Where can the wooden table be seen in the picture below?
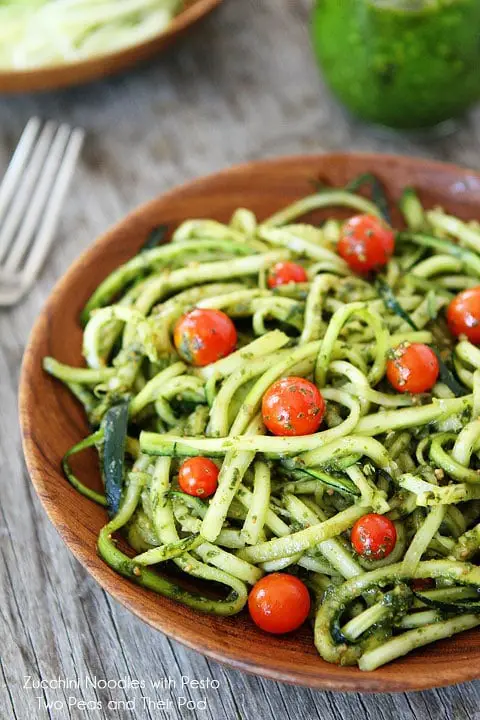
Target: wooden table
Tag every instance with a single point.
(243, 86)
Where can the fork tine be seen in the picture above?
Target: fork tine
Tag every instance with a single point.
(48, 226)
(43, 186)
(17, 163)
(24, 191)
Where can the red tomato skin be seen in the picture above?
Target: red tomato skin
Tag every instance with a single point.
(284, 273)
(198, 476)
(293, 406)
(463, 315)
(374, 536)
(413, 368)
(279, 603)
(422, 584)
(204, 336)
(366, 243)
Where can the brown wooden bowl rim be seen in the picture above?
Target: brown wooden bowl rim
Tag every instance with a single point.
(195, 10)
(338, 678)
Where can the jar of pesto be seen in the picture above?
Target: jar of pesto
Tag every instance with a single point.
(401, 63)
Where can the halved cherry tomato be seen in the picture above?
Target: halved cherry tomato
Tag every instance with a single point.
(463, 315)
(366, 243)
(198, 476)
(279, 603)
(204, 336)
(293, 406)
(374, 536)
(413, 368)
(284, 273)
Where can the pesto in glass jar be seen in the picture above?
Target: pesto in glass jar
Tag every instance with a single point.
(401, 63)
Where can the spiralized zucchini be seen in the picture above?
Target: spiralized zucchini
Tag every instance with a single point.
(290, 502)
(39, 33)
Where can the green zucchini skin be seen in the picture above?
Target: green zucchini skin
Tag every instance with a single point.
(391, 302)
(158, 236)
(378, 193)
(114, 442)
(440, 599)
(151, 580)
(337, 599)
(88, 442)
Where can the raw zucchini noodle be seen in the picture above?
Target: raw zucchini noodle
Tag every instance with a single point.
(290, 501)
(39, 33)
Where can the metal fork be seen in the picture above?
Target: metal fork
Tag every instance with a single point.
(31, 201)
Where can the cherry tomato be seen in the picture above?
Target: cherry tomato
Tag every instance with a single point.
(284, 273)
(422, 584)
(204, 336)
(374, 536)
(293, 406)
(463, 315)
(198, 476)
(413, 368)
(279, 603)
(366, 243)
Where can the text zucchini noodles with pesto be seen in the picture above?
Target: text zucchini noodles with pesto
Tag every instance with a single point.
(286, 406)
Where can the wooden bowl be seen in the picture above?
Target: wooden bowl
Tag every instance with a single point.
(77, 73)
(52, 421)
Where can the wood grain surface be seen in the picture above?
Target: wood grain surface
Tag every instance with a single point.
(243, 87)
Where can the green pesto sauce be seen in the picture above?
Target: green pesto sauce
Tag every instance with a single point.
(402, 63)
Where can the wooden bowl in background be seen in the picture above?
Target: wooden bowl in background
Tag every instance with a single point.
(52, 421)
(77, 73)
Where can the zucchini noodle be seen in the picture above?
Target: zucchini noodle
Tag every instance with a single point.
(291, 501)
(39, 33)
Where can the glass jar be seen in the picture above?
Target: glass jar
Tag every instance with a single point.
(401, 63)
